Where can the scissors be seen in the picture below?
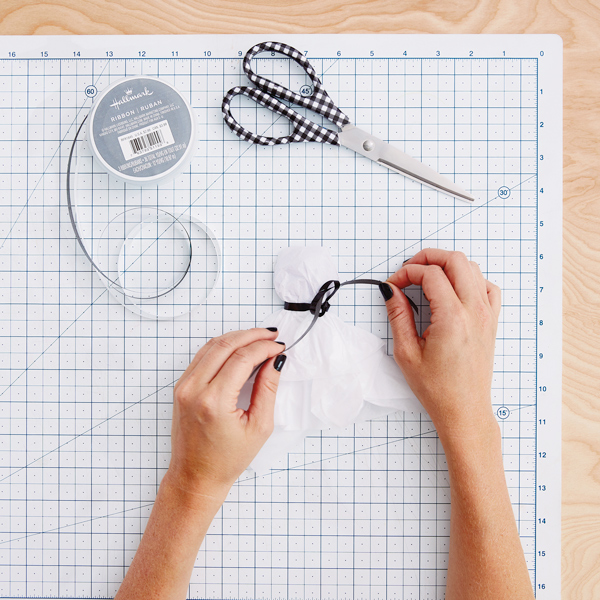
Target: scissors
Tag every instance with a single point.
(267, 92)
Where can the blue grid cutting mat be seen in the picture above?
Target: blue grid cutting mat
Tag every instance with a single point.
(86, 385)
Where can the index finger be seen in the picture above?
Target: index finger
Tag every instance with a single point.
(217, 350)
(239, 367)
(457, 268)
(436, 286)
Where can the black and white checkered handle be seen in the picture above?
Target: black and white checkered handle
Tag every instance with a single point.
(267, 92)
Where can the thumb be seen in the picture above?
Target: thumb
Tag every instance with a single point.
(402, 320)
(262, 402)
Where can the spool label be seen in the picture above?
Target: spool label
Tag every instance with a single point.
(141, 128)
(148, 139)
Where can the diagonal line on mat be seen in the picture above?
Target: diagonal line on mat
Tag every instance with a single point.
(48, 165)
(115, 514)
(408, 437)
(322, 460)
(120, 412)
(444, 227)
(60, 335)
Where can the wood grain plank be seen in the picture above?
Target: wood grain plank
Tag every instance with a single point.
(578, 23)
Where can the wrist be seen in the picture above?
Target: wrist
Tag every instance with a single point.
(469, 441)
(197, 494)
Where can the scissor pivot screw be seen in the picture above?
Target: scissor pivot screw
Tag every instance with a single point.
(368, 145)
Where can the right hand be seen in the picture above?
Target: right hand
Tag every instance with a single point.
(450, 367)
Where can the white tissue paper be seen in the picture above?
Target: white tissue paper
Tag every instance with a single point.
(337, 375)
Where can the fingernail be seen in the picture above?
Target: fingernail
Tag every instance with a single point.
(279, 362)
(272, 328)
(386, 291)
(407, 260)
(278, 342)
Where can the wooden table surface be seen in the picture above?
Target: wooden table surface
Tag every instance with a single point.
(578, 22)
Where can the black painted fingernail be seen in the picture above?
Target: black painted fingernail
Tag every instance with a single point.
(386, 291)
(279, 362)
(278, 342)
(407, 260)
(272, 328)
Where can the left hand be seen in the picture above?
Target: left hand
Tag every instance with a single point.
(213, 441)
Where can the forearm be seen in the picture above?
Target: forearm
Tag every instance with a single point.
(163, 563)
(486, 557)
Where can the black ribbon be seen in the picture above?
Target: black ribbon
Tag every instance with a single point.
(113, 284)
(320, 303)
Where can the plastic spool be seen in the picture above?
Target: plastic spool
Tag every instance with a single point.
(160, 263)
(142, 130)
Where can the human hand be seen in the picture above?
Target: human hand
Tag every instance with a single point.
(213, 441)
(450, 367)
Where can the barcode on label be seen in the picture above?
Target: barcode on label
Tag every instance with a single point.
(149, 140)
(140, 142)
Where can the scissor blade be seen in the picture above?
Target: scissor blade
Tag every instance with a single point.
(385, 154)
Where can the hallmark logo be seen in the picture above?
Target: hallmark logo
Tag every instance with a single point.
(129, 96)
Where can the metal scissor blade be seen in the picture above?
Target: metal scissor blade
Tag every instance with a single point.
(385, 154)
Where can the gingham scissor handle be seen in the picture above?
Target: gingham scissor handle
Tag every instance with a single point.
(303, 130)
(318, 101)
